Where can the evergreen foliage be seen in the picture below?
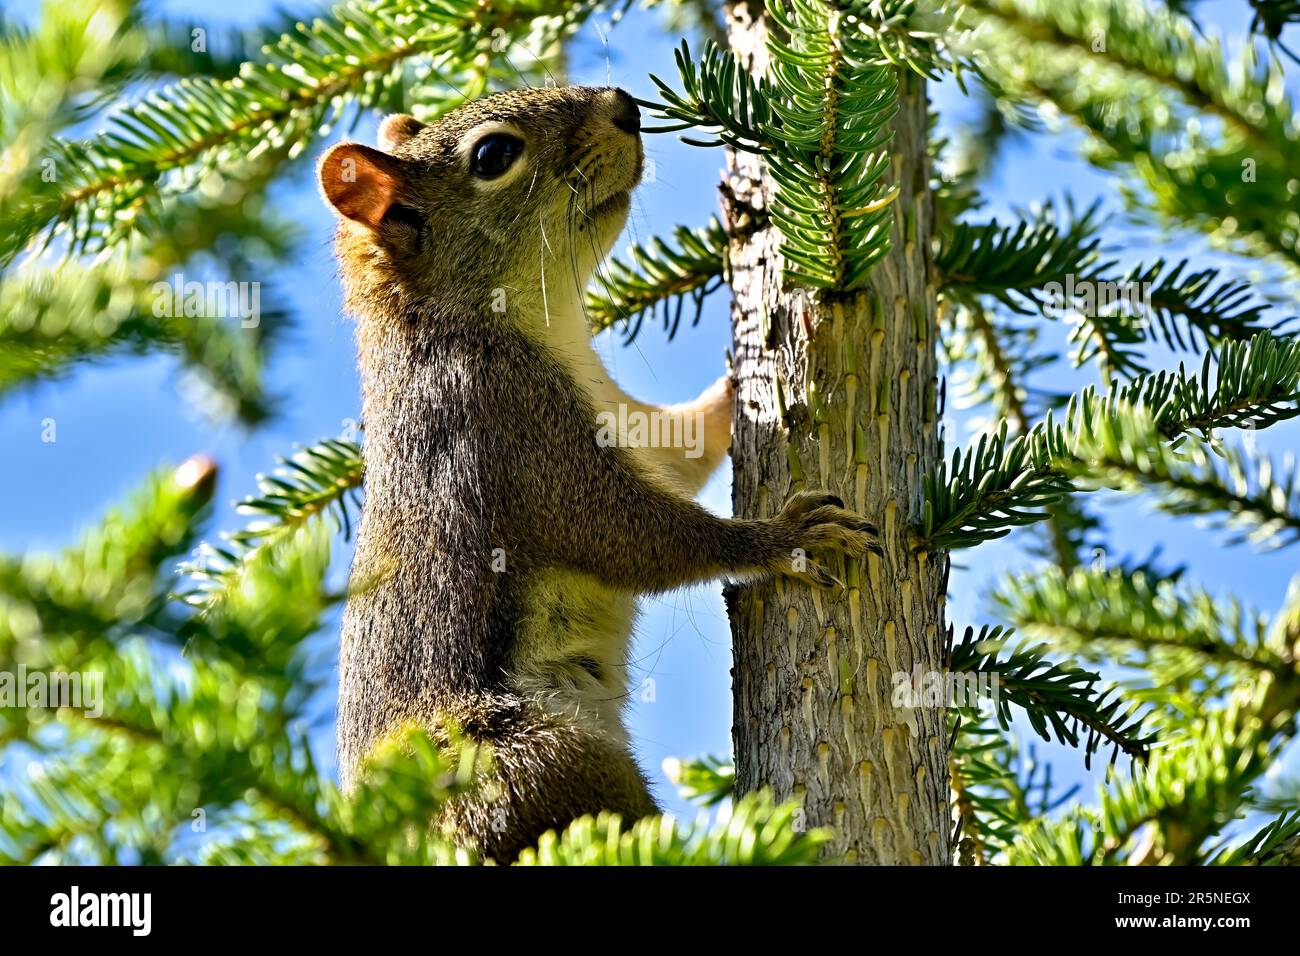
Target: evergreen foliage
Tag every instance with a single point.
(199, 753)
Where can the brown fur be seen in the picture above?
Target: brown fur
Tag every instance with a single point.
(480, 446)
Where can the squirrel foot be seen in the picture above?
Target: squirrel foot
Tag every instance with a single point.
(817, 520)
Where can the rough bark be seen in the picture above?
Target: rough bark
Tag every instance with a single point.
(813, 672)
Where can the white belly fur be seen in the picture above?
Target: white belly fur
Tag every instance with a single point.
(572, 648)
(574, 639)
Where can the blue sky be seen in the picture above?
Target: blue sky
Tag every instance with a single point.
(119, 418)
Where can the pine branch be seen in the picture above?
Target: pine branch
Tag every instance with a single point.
(108, 585)
(1058, 698)
(719, 97)
(1172, 805)
(913, 35)
(1000, 484)
(115, 184)
(1255, 385)
(161, 751)
(835, 104)
(259, 596)
(1184, 313)
(1239, 491)
(1140, 81)
(754, 833)
(52, 319)
(1001, 358)
(169, 46)
(998, 790)
(821, 120)
(256, 609)
(659, 277)
(1067, 841)
(1217, 313)
(80, 54)
(704, 780)
(1152, 43)
(318, 481)
(70, 66)
(164, 747)
(991, 488)
(158, 750)
(1277, 844)
(1175, 633)
(408, 778)
(1037, 265)
(1192, 650)
(80, 612)
(1189, 790)
(1013, 263)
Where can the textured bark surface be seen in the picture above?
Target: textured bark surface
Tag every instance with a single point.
(813, 672)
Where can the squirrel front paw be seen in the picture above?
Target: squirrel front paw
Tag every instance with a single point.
(818, 521)
(708, 419)
(715, 404)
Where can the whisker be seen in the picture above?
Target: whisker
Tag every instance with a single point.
(519, 73)
(545, 69)
(546, 246)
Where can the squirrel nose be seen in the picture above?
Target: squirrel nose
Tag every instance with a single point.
(626, 116)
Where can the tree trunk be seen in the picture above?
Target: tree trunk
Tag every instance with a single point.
(814, 672)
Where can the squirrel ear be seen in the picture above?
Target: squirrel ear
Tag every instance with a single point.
(397, 129)
(360, 183)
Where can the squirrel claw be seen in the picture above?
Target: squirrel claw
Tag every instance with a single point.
(815, 575)
(819, 521)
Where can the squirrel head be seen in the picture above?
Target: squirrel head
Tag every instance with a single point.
(505, 194)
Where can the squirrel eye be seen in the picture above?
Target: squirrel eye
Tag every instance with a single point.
(494, 154)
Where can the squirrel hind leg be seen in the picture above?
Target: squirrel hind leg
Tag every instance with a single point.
(545, 770)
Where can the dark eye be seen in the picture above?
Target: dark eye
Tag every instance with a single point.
(493, 154)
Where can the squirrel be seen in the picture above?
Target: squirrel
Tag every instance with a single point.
(502, 546)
